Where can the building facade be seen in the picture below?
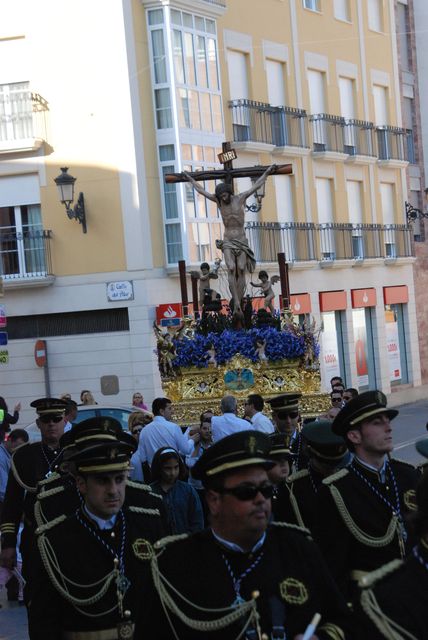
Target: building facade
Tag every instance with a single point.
(155, 87)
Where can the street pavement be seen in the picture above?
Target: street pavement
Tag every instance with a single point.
(409, 426)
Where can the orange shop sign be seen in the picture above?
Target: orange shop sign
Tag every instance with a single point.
(300, 303)
(363, 298)
(332, 301)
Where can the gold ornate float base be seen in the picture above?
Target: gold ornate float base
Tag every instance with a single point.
(196, 389)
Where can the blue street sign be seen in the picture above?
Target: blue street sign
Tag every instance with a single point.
(3, 338)
(170, 322)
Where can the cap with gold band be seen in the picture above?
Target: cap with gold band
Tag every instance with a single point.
(279, 446)
(93, 431)
(103, 458)
(285, 403)
(363, 407)
(322, 442)
(242, 449)
(45, 406)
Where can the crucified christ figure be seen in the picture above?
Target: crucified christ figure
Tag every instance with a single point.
(238, 256)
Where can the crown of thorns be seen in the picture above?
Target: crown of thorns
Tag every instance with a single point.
(223, 187)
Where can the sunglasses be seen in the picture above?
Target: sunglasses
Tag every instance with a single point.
(47, 419)
(245, 493)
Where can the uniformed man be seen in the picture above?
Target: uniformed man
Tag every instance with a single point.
(282, 458)
(59, 495)
(364, 506)
(286, 417)
(91, 568)
(393, 600)
(242, 577)
(326, 452)
(30, 464)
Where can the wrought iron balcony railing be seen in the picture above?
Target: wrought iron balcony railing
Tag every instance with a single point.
(395, 143)
(328, 132)
(359, 138)
(260, 122)
(25, 255)
(307, 241)
(23, 115)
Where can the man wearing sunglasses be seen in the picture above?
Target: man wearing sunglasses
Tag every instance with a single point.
(30, 464)
(241, 577)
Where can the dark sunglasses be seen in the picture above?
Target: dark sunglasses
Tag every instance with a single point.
(47, 419)
(248, 493)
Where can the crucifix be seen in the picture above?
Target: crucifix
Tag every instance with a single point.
(238, 256)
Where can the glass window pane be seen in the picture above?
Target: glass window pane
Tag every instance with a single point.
(199, 23)
(212, 64)
(178, 57)
(202, 62)
(166, 152)
(159, 59)
(174, 244)
(189, 198)
(193, 242)
(190, 58)
(210, 26)
(188, 20)
(217, 114)
(206, 112)
(186, 151)
(210, 154)
(198, 153)
(195, 115)
(163, 109)
(183, 108)
(170, 195)
(175, 16)
(156, 16)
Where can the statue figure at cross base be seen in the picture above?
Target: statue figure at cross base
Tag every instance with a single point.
(238, 256)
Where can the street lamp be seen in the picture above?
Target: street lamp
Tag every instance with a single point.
(65, 183)
(258, 195)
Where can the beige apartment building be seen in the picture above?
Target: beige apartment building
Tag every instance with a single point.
(124, 92)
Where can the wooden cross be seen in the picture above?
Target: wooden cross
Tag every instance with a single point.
(228, 173)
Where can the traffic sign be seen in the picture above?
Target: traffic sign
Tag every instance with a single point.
(3, 319)
(40, 353)
(3, 338)
(4, 356)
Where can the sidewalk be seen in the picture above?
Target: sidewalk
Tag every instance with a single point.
(13, 619)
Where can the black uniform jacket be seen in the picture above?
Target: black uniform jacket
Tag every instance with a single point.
(297, 500)
(291, 577)
(353, 520)
(72, 555)
(399, 593)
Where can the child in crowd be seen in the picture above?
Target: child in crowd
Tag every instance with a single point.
(182, 503)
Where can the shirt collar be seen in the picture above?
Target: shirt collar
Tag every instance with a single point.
(235, 547)
(102, 524)
(379, 472)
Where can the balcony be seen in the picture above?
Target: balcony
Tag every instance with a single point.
(360, 138)
(23, 120)
(259, 122)
(395, 144)
(326, 243)
(327, 133)
(26, 257)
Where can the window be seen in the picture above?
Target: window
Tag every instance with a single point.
(16, 117)
(380, 97)
(396, 347)
(387, 193)
(21, 244)
(275, 81)
(403, 36)
(356, 216)
(374, 8)
(238, 75)
(316, 82)
(341, 10)
(325, 216)
(313, 5)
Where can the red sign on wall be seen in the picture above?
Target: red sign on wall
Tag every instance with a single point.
(396, 295)
(169, 315)
(332, 300)
(300, 303)
(363, 298)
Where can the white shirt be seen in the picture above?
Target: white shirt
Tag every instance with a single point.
(225, 425)
(162, 433)
(235, 547)
(262, 423)
(103, 524)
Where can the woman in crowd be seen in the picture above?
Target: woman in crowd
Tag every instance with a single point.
(86, 397)
(138, 401)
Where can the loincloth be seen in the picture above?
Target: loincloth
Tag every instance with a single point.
(236, 247)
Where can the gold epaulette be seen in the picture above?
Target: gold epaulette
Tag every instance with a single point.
(145, 511)
(51, 478)
(294, 527)
(49, 525)
(332, 631)
(367, 581)
(303, 473)
(336, 476)
(163, 542)
(46, 493)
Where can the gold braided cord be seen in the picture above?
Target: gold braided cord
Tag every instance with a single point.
(53, 570)
(358, 534)
(51, 478)
(232, 613)
(19, 481)
(295, 506)
(39, 515)
(333, 631)
(290, 525)
(167, 539)
(50, 492)
(390, 629)
(143, 487)
(149, 512)
(51, 524)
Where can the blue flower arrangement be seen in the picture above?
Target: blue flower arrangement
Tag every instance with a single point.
(279, 345)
